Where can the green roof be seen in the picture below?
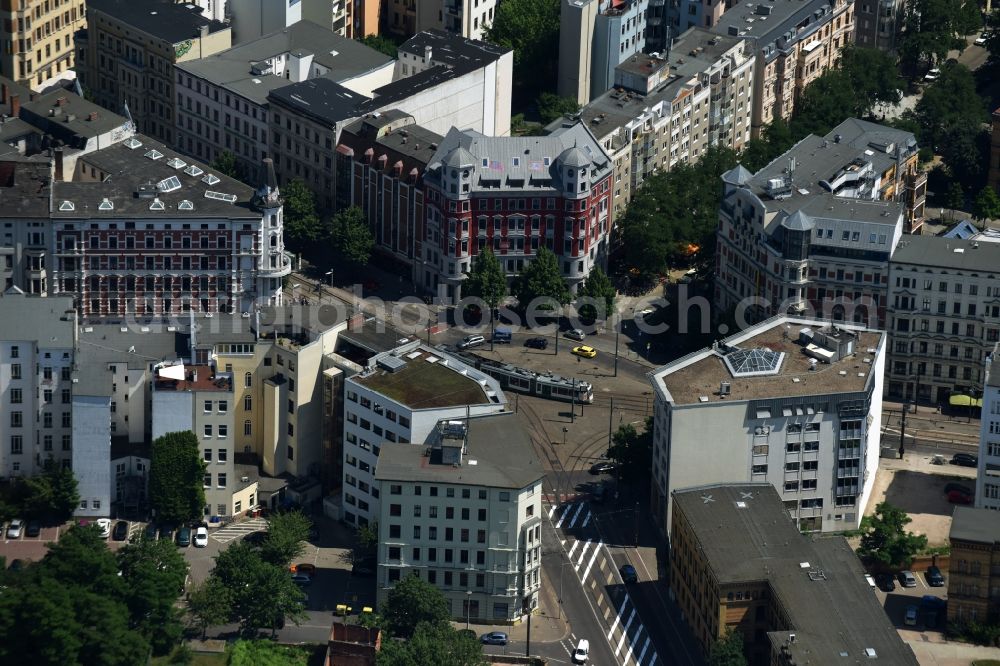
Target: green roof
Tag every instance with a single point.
(420, 384)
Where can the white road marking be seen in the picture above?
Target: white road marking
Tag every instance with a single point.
(635, 638)
(576, 515)
(621, 641)
(618, 618)
(575, 544)
(642, 653)
(565, 513)
(592, 558)
(583, 554)
(552, 511)
(587, 519)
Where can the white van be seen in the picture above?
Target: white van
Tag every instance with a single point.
(581, 652)
(471, 341)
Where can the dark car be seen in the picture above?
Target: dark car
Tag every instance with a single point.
(363, 569)
(958, 497)
(184, 537)
(960, 487)
(167, 532)
(628, 573)
(885, 582)
(494, 638)
(965, 460)
(930, 601)
(151, 532)
(120, 532)
(603, 467)
(537, 343)
(33, 529)
(934, 577)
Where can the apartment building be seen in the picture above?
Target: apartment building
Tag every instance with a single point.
(399, 397)
(400, 18)
(879, 23)
(465, 515)
(205, 243)
(739, 564)
(595, 36)
(380, 165)
(36, 392)
(467, 18)
(126, 56)
(659, 30)
(668, 111)
(793, 44)
(988, 478)
(252, 19)
(222, 100)
(792, 402)
(354, 20)
(815, 228)
(943, 320)
(516, 194)
(38, 40)
(974, 570)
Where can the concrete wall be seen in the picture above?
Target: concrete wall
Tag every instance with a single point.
(254, 18)
(576, 34)
(92, 454)
(363, 84)
(172, 412)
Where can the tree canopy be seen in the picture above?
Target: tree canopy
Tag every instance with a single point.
(176, 476)
(437, 644)
(884, 537)
(598, 287)
(154, 572)
(413, 601)
(302, 225)
(873, 76)
(52, 495)
(541, 277)
(225, 163)
(632, 452)
(209, 604)
(987, 204)
(531, 29)
(381, 44)
(351, 236)
(950, 102)
(286, 535)
(552, 106)
(728, 650)
(934, 27)
(262, 594)
(487, 279)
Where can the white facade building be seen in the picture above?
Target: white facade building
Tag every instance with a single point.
(400, 397)
(468, 18)
(92, 455)
(988, 477)
(465, 515)
(792, 402)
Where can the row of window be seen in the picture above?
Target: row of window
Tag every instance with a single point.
(17, 419)
(150, 243)
(221, 480)
(465, 535)
(222, 430)
(17, 443)
(466, 493)
(15, 370)
(432, 512)
(222, 455)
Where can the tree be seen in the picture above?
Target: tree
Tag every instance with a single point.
(154, 572)
(286, 533)
(176, 474)
(267, 653)
(438, 644)
(885, 540)
(949, 102)
(552, 106)
(53, 494)
(411, 602)
(728, 650)
(365, 543)
(873, 76)
(934, 27)
(598, 287)
(352, 236)
(632, 452)
(541, 278)
(531, 29)
(987, 204)
(225, 163)
(382, 44)
(955, 196)
(964, 150)
(209, 604)
(487, 279)
(302, 225)
(262, 594)
(822, 105)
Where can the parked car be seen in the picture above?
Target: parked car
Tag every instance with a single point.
(537, 343)
(885, 582)
(934, 577)
(104, 525)
(502, 336)
(184, 537)
(910, 616)
(585, 351)
(599, 493)
(628, 573)
(870, 581)
(304, 568)
(581, 652)
(301, 579)
(907, 579)
(981, 40)
(15, 529)
(201, 537)
(603, 467)
(33, 529)
(576, 334)
(151, 532)
(470, 341)
(494, 638)
(120, 532)
(930, 601)
(960, 487)
(965, 460)
(932, 75)
(958, 497)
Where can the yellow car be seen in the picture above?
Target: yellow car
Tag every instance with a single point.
(585, 351)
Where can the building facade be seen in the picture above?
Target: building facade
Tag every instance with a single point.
(354, 20)
(993, 175)
(464, 514)
(399, 397)
(126, 56)
(516, 195)
(988, 478)
(791, 402)
(878, 23)
(252, 19)
(974, 570)
(37, 41)
(467, 18)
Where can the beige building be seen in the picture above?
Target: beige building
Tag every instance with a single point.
(793, 43)
(127, 54)
(353, 19)
(468, 18)
(37, 42)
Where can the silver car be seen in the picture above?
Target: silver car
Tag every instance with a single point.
(907, 579)
(15, 529)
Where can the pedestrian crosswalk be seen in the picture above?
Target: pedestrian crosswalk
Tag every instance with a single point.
(240, 529)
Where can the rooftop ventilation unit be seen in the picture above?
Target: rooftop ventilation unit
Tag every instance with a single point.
(391, 363)
(146, 191)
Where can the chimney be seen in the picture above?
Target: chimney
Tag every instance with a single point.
(15, 105)
(58, 155)
(31, 96)
(427, 54)
(3, 94)
(93, 116)
(61, 101)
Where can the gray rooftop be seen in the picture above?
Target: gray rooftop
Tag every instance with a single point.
(25, 187)
(127, 168)
(975, 525)
(698, 49)
(66, 115)
(231, 69)
(33, 318)
(412, 141)
(452, 49)
(747, 536)
(169, 21)
(323, 99)
(934, 252)
(499, 455)
(769, 22)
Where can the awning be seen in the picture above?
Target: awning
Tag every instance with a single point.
(959, 400)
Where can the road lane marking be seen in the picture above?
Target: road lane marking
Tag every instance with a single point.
(618, 617)
(631, 643)
(576, 515)
(583, 554)
(552, 511)
(586, 520)
(642, 653)
(566, 513)
(571, 550)
(625, 627)
(592, 558)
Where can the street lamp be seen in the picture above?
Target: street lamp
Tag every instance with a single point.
(468, 608)
(329, 274)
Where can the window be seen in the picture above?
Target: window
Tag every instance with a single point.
(208, 405)
(247, 403)
(248, 428)
(222, 480)
(208, 430)
(16, 419)
(223, 431)
(208, 455)
(16, 444)
(248, 380)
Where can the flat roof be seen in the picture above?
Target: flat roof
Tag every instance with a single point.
(749, 19)
(197, 378)
(25, 187)
(231, 69)
(42, 320)
(453, 49)
(975, 525)
(927, 252)
(424, 383)
(324, 99)
(747, 536)
(76, 115)
(700, 375)
(169, 21)
(126, 169)
(499, 454)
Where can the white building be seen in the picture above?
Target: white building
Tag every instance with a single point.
(92, 455)
(792, 402)
(464, 514)
(468, 18)
(988, 478)
(36, 359)
(252, 18)
(400, 397)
